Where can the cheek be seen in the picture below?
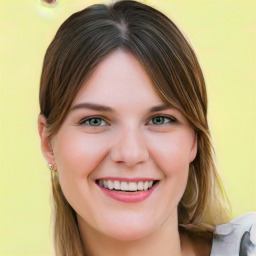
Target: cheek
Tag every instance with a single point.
(175, 166)
(77, 155)
(172, 154)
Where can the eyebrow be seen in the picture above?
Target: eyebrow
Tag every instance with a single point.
(160, 107)
(103, 108)
(92, 106)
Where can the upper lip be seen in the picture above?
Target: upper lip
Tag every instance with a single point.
(127, 179)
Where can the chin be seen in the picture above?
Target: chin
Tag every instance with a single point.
(129, 235)
(129, 231)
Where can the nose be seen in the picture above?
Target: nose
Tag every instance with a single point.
(129, 148)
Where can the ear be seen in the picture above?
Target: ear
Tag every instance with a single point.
(193, 151)
(46, 146)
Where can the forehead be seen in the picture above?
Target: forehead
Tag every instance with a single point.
(119, 79)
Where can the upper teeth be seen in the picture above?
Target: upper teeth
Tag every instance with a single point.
(126, 186)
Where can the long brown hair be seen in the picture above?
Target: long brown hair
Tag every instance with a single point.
(80, 44)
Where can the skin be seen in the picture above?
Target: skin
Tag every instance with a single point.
(126, 143)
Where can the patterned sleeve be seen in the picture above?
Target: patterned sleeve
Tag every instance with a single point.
(236, 238)
(248, 242)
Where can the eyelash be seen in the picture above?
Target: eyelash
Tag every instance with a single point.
(83, 122)
(171, 119)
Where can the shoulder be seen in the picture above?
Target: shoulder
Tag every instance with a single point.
(236, 238)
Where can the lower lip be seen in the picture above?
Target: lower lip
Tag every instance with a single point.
(127, 197)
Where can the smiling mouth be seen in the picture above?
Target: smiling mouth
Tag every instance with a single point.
(123, 186)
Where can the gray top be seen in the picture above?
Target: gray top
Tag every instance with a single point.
(236, 238)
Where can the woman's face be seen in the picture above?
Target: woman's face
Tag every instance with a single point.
(120, 134)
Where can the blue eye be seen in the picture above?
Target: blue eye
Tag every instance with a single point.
(158, 120)
(94, 121)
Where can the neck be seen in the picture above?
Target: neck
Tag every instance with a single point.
(164, 241)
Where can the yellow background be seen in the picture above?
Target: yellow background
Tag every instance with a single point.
(223, 34)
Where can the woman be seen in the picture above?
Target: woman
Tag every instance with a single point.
(123, 127)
